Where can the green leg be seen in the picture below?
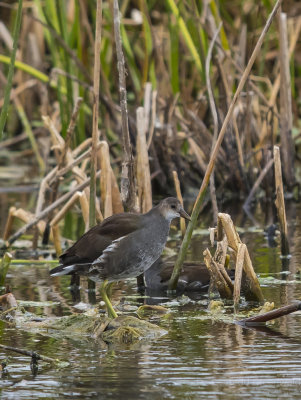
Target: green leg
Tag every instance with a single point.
(103, 290)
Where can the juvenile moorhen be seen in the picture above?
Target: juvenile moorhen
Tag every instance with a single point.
(122, 246)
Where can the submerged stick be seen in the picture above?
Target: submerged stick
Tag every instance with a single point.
(198, 203)
(32, 354)
(280, 312)
(280, 202)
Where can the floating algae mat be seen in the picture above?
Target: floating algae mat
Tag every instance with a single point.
(123, 329)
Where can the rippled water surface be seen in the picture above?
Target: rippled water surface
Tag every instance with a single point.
(198, 358)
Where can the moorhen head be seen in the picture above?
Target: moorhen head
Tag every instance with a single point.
(122, 246)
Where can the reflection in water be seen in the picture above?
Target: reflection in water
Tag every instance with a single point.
(198, 358)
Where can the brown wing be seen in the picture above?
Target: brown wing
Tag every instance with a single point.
(91, 245)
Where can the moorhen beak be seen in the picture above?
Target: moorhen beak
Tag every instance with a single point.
(184, 214)
(122, 246)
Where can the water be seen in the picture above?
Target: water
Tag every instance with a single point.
(197, 358)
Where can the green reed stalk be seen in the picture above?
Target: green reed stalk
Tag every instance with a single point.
(4, 111)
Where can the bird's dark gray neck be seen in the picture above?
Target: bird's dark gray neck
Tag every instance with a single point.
(155, 218)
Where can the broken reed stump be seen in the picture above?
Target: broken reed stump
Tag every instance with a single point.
(263, 318)
(280, 205)
(227, 236)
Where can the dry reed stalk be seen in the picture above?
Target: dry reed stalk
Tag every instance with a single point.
(143, 171)
(234, 242)
(198, 203)
(9, 223)
(20, 89)
(81, 147)
(180, 198)
(95, 134)
(24, 216)
(153, 118)
(99, 216)
(199, 154)
(59, 143)
(240, 257)
(70, 132)
(238, 142)
(60, 215)
(72, 164)
(116, 197)
(280, 204)
(275, 89)
(105, 179)
(85, 209)
(35, 219)
(56, 239)
(147, 103)
(220, 258)
(286, 116)
(217, 277)
(63, 156)
(128, 191)
(257, 183)
(43, 187)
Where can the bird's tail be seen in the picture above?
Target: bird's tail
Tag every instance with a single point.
(67, 269)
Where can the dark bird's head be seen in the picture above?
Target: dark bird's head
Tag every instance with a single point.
(171, 208)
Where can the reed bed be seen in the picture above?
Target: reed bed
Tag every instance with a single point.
(144, 96)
